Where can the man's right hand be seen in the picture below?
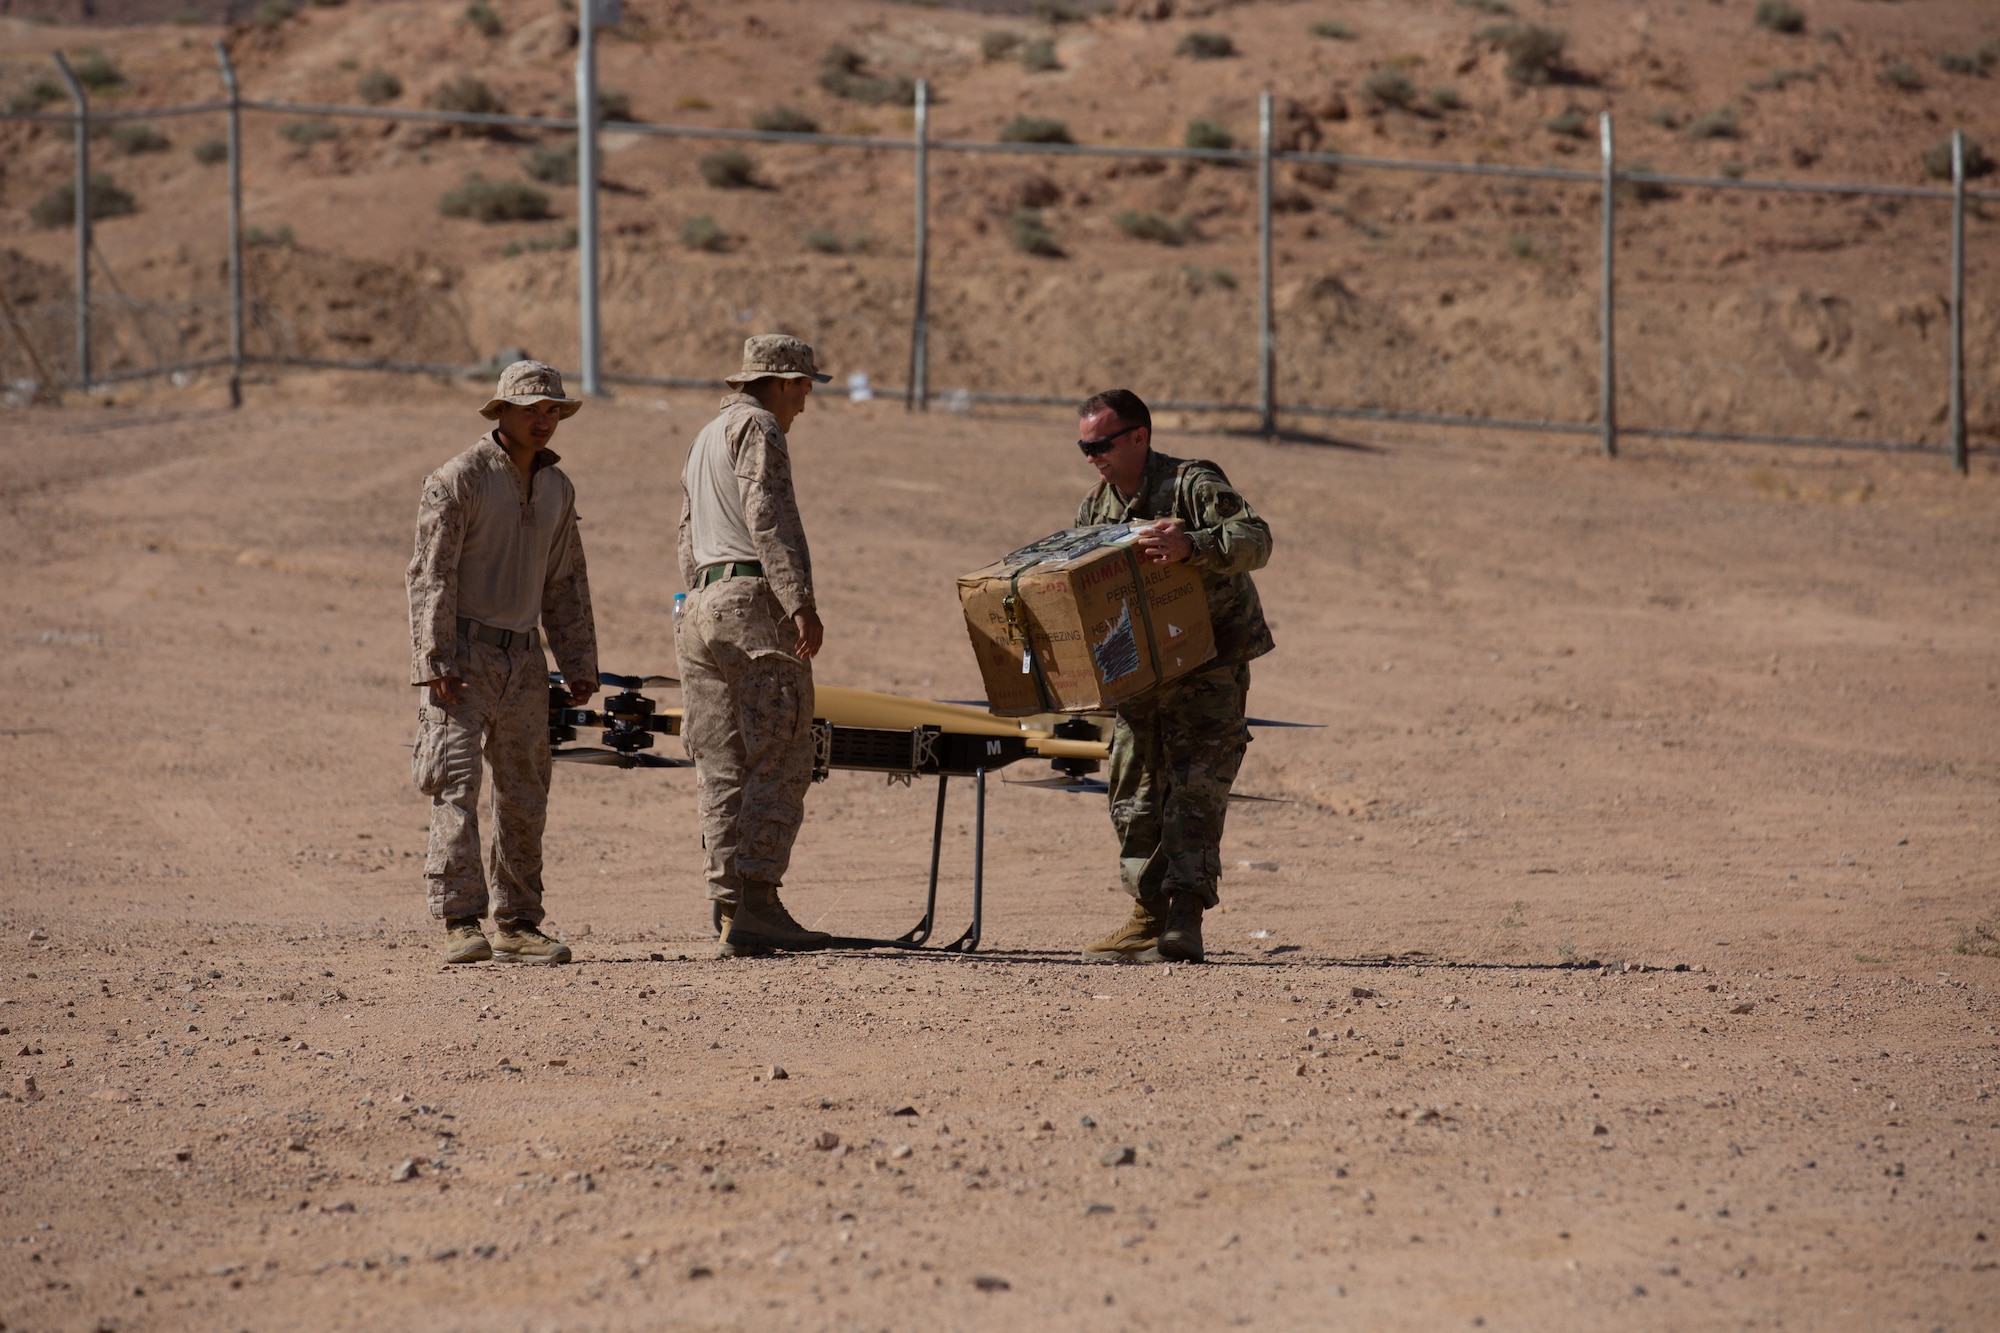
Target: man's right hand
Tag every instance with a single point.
(811, 634)
(447, 689)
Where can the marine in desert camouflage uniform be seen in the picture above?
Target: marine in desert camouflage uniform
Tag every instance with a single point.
(1175, 750)
(746, 639)
(498, 564)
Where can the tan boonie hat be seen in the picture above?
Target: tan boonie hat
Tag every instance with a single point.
(779, 356)
(527, 382)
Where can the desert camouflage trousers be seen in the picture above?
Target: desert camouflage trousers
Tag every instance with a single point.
(748, 728)
(1174, 754)
(502, 716)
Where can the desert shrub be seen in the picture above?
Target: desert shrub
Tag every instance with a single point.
(1058, 11)
(35, 96)
(1222, 278)
(134, 139)
(1570, 123)
(1642, 192)
(1035, 129)
(1331, 29)
(483, 19)
(1902, 76)
(728, 169)
(1206, 46)
(1389, 87)
(466, 95)
(378, 86)
(495, 201)
(703, 234)
(272, 14)
(1718, 124)
(1039, 56)
(1534, 53)
(105, 199)
(563, 240)
(1205, 133)
(1667, 118)
(96, 72)
(1032, 236)
(211, 152)
(1780, 79)
(306, 133)
(1497, 8)
(551, 165)
(256, 238)
(784, 120)
(1937, 159)
(1779, 16)
(614, 106)
(844, 73)
(1962, 62)
(822, 241)
(1152, 227)
(692, 102)
(1446, 99)
(999, 44)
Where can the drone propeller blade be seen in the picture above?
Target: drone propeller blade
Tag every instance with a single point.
(1274, 800)
(613, 759)
(1061, 783)
(612, 678)
(1053, 747)
(893, 712)
(589, 755)
(1267, 722)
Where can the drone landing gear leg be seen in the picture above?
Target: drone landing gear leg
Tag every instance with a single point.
(917, 934)
(969, 941)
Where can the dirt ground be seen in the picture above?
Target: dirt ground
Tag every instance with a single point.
(1617, 958)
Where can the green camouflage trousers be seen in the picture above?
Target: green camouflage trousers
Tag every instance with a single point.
(503, 717)
(1174, 753)
(748, 728)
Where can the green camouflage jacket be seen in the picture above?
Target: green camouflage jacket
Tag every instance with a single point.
(1229, 542)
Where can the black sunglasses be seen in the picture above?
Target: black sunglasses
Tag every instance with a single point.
(1099, 447)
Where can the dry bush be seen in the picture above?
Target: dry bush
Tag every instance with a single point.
(1205, 133)
(702, 233)
(552, 165)
(1039, 57)
(133, 139)
(728, 169)
(1031, 235)
(105, 199)
(378, 86)
(1206, 46)
(784, 120)
(1035, 129)
(1780, 16)
(495, 201)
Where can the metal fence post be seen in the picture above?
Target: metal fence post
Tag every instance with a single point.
(586, 196)
(1958, 451)
(918, 397)
(1607, 361)
(82, 222)
(1267, 335)
(235, 224)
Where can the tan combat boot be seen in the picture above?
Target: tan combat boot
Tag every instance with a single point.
(465, 942)
(520, 942)
(760, 924)
(1125, 944)
(1180, 942)
(728, 947)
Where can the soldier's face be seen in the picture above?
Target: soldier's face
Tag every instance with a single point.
(530, 424)
(1125, 461)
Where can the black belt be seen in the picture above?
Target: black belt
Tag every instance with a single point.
(728, 569)
(502, 639)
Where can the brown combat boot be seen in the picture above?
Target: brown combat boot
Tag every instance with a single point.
(760, 924)
(522, 942)
(465, 942)
(1125, 944)
(1180, 942)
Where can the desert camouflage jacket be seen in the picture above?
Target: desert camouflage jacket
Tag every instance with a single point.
(1229, 542)
(509, 557)
(744, 440)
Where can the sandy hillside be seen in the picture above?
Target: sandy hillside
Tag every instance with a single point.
(1624, 953)
(1791, 314)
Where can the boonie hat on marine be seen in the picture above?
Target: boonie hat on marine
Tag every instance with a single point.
(779, 356)
(527, 382)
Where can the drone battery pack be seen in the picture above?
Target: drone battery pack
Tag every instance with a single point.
(1078, 623)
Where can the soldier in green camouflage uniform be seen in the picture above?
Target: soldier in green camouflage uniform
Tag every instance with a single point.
(1175, 750)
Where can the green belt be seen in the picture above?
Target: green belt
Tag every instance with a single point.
(729, 569)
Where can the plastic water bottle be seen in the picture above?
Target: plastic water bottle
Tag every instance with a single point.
(680, 603)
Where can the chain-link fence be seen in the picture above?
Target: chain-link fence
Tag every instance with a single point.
(72, 342)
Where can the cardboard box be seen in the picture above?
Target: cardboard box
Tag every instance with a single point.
(1076, 623)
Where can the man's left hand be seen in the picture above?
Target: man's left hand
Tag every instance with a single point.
(1164, 542)
(580, 692)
